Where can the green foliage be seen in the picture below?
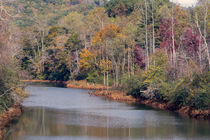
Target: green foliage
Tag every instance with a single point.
(193, 93)
(201, 87)
(94, 77)
(134, 85)
(120, 7)
(73, 43)
(157, 71)
(56, 67)
(184, 92)
(201, 100)
(180, 97)
(8, 82)
(54, 32)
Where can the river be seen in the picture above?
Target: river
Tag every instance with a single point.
(55, 113)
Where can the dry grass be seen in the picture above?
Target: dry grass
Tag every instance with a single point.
(85, 85)
(116, 95)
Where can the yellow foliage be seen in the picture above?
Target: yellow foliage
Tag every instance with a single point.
(86, 59)
(105, 65)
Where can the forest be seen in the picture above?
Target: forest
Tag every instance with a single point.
(151, 49)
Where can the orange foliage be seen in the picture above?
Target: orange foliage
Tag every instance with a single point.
(108, 31)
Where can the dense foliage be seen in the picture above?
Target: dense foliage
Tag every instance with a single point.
(149, 48)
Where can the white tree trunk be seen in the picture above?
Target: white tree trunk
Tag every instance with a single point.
(173, 39)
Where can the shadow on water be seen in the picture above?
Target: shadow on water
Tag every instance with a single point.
(45, 84)
(66, 114)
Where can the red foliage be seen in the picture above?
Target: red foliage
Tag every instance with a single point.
(191, 40)
(140, 58)
(165, 31)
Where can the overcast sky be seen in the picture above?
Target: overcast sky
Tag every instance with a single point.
(185, 3)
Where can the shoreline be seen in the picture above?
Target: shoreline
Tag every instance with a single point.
(183, 111)
(7, 117)
(42, 81)
(119, 96)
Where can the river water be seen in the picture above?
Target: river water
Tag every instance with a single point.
(53, 113)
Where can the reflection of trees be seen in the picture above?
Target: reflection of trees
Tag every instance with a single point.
(46, 122)
(42, 130)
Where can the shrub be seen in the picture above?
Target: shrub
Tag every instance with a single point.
(201, 100)
(134, 86)
(180, 97)
(200, 86)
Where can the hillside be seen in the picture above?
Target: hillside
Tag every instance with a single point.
(48, 11)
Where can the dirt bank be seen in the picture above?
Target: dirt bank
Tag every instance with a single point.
(8, 116)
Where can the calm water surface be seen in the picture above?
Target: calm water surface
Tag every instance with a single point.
(53, 113)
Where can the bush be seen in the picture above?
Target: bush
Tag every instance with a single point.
(5, 102)
(134, 85)
(200, 85)
(92, 77)
(201, 100)
(180, 97)
(193, 93)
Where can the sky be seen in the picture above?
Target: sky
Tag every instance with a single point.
(186, 3)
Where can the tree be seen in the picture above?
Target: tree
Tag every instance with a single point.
(201, 23)
(120, 7)
(57, 65)
(86, 60)
(73, 46)
(167, 34)
(102, 38)
(191, 42)
(157, 72)
(129, 33)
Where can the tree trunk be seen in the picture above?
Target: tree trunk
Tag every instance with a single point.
(146, 36)
(173, 39)
(117, 75)
(107, 72)
(124, 61)
(204, 40)
(128, 63)
(77, 59)
(153, 28)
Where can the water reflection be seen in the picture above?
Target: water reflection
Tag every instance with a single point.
(67, 114)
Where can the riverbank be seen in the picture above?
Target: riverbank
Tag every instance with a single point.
(120, 96)
(72, 84)
(184, 111)
(6, 117)
(42, 81)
